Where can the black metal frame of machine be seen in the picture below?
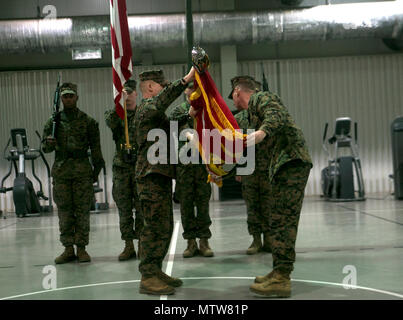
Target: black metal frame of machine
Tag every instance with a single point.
(337, 179)
(26, 200)
(99, 206)
(397, 154)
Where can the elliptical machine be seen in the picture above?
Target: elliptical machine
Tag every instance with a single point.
(26, 200)
(99, 206)
(337, 179)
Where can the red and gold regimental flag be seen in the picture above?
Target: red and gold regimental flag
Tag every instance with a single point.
(215, 114)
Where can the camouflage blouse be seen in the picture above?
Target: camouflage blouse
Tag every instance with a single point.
(150, 114)
(76, 134)
(284, 141)
(116, 124)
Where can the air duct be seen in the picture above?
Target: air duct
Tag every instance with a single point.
(382, 20)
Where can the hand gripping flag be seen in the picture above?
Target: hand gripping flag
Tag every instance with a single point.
(221, 142)
(121, 52)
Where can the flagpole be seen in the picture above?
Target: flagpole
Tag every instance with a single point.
(189, 31)
(127, 144)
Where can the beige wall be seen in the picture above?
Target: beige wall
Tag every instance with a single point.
(367, 88)
(26, 101)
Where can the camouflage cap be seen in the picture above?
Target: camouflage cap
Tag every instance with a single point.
(258, 85)
(130, 86)
(68, 87)
(154, 75)
(247, 81)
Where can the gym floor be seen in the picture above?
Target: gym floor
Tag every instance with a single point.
(348, 250)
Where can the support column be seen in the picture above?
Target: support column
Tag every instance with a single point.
(229, 69)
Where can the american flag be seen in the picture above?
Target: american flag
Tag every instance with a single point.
(122, 67)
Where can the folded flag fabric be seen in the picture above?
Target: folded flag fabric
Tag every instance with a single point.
(220, 140)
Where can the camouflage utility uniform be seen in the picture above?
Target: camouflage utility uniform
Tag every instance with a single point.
(154, 181)
(192, 188)
(282, 158)
(124, 189)
(72, 173)
(255, 188)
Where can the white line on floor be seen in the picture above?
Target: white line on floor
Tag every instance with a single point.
(69, 288)
(204, 278)
(352, 287)
(172, 249)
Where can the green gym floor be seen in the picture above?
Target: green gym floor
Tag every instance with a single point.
(349, 250)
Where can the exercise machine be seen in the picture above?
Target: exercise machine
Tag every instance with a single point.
(397, 154)
(99, 206)
(337, 179)
(26, 200)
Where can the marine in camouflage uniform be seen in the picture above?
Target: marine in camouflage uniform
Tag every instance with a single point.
(73, 175)
(255, 191)
(192, 190)
(124, 188)
(283, 159)
(154, 181)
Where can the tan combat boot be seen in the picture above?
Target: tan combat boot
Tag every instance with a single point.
(82, 255)
(278, 285)
(204, 248)
(171, 281)
(261, 279)
(191, 250)
(266, 242)
(67, 256)
(128, 251)
(256, 245)
(154, 285)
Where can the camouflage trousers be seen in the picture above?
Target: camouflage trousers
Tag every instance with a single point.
(256, 193)
(124, 193)
(287, 194)
(73, 198)
(155, 193)
(193, 191)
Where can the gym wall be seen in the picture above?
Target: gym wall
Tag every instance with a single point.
(26, 101)
(317, 90)
(368, 89)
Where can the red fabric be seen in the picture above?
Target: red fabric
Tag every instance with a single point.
(122, 67)
(212, 120)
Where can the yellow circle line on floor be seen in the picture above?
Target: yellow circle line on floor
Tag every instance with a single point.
(204, 278)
